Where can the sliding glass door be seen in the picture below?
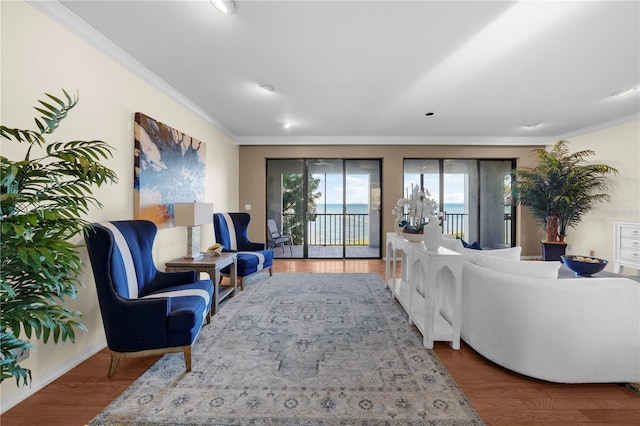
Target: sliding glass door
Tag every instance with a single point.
(496, 215)
(331, 207)
(473, 194)
(326, 209)
(286, 201)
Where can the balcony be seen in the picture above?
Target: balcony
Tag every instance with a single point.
(328, 233)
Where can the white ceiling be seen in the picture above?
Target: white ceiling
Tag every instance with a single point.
(368, 71)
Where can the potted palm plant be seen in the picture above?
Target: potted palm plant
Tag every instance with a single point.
(559, 191)
(42, 199)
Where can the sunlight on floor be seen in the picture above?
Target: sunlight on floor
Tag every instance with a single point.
(328, 265)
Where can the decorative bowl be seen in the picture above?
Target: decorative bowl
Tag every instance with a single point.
(415, 238)
(584, 266)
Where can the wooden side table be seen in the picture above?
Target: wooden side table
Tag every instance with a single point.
(212, 266)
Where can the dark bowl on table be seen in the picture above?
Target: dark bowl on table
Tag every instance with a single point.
(584, 266)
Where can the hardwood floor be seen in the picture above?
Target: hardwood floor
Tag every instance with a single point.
(499, 396)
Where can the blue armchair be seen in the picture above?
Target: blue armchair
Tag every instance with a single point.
(231, 230)
(144, 311)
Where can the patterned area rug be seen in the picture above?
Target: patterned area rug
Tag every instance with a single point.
(300, 349)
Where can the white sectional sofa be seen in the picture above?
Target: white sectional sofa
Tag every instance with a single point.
(519, 315)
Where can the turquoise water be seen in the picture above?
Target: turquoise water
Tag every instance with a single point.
(454, 208)
(364, 208)
(337, 208)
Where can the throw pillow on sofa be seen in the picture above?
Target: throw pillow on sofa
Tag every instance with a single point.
(451, 243)
(536, 269)
(512, 253)
(473, 246)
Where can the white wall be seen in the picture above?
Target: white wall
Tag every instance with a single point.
(618, 147)
(39, 56)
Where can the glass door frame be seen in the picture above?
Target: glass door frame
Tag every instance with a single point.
(478, 204)
(374, 205)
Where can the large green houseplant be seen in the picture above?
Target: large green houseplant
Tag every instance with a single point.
(561, 189)
(42, 199)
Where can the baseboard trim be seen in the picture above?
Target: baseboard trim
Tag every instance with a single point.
(38, 383)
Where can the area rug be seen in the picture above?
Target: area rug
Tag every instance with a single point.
(300, 349)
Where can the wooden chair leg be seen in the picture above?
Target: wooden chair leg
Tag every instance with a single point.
(241, 282)
(209, 317)
(187, 357)
(271, 271)
(115, 361)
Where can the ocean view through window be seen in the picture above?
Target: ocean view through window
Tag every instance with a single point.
(473, 194)
(331, 203)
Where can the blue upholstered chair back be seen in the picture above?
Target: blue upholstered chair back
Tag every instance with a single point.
(132, 265)
(231, 230)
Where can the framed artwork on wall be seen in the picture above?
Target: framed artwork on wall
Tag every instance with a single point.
(169, 167)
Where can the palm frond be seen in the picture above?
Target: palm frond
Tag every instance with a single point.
(42, 204)
(563, 184)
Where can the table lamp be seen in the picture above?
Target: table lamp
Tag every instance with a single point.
(192, 215)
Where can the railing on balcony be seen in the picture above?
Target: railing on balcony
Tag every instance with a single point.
(454, 224)
(326, 229)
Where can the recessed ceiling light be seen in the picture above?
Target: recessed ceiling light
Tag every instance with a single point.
(624, 92)
(266, 88)
(532, 126)
(287, 125)
(224, 6)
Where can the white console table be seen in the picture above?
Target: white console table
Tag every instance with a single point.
(429, 288)
(400, 286)
(626, 246)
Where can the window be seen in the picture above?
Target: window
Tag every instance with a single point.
(474, 194)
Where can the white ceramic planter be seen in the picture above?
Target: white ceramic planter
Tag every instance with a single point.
(432, 234)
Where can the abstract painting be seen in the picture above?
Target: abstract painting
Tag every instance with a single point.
(169, 167)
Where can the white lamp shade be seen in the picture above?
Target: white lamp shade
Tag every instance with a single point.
(193, 214)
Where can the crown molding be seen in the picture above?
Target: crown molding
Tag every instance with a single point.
(63, 16)
(431, 140)
(600, 126)
(395, 140)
